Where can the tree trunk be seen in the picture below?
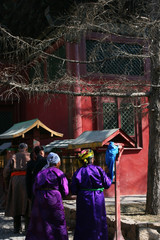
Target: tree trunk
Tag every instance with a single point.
(153, 186)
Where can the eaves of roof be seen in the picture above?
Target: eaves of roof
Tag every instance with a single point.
(19, 129)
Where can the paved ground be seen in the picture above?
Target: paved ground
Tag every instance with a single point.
(6, 229)
(6, 223)
(111, 201)
(128, 199)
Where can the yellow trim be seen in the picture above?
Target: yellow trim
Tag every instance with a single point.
(38, 123)
(85, 145)
(49, 130)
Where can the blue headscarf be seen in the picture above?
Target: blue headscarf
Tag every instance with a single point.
(110, 157)
(52, 158)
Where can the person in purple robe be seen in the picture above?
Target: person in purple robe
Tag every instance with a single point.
(88, 183)
(48, 217)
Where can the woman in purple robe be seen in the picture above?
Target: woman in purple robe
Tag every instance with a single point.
(48, 217)
(88, 183)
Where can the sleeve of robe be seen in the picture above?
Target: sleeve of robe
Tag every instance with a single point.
(7, 173)
(64, 189)
(106, 179)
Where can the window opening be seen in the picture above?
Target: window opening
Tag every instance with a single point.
(127, 118)
(114, 58)
(115, 117)
(110, 115)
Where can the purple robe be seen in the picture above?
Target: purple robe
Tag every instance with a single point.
(48, 216)
(91, 222)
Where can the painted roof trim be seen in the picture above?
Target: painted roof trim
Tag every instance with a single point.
(19, 129)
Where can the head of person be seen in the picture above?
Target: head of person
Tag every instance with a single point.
(22, 147)
(39, 150)
(86, 157)
(53, 160)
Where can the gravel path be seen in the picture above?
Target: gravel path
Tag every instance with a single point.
(6, 229)
(6, 223)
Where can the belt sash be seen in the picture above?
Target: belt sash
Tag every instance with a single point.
(93, 189)
(18, 173)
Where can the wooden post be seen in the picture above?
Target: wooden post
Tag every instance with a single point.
(118, 234)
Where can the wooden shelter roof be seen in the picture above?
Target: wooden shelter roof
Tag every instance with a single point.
(19, 129)
(93, 139)
(57, 144)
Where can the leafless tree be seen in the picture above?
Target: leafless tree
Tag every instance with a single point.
(136, 19)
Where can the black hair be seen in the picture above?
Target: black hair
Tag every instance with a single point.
(23, 146)
(37, 149)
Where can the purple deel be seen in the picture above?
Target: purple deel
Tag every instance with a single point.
(47, 217)
(91, 221)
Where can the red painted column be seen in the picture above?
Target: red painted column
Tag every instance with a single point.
(70, 98)
(74, 71)
(78, 104)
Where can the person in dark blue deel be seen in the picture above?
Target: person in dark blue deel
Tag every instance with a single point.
(110, 157)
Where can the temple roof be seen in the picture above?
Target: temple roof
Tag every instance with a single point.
(99, 138)
(19, 129)
(57, 144)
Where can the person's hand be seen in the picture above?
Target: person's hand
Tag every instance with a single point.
(119, 153)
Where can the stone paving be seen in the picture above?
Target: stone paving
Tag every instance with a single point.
(6, 223)
(6, 229)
